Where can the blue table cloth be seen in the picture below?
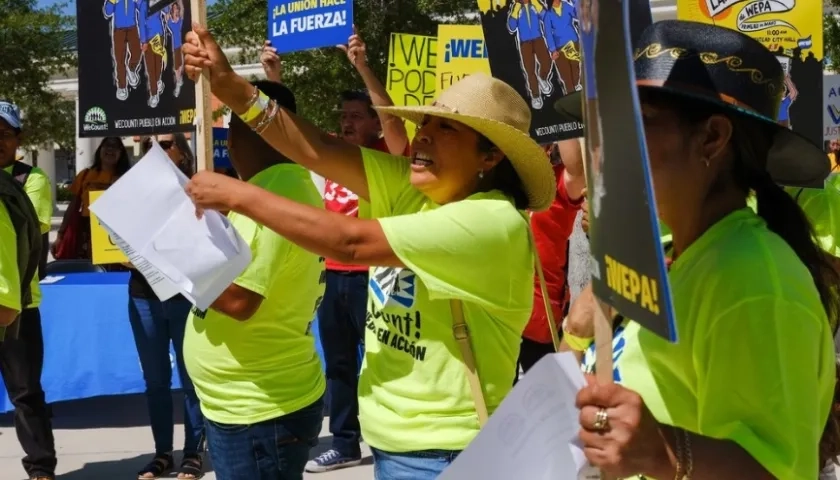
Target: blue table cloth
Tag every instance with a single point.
(89, 347)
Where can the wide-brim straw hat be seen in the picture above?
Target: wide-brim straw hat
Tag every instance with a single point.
(494, 109)
(726, 68)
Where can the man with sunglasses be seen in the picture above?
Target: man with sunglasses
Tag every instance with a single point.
(22, 358)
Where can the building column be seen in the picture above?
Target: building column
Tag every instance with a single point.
(85, 147)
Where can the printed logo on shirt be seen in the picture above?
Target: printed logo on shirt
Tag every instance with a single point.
(339, 199)
(198, 313)
(394, 286)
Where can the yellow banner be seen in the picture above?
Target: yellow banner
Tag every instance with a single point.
(103, 248)
(781, 25)
(461, 51)
(412, 63)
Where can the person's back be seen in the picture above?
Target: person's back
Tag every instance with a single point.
(249, 371)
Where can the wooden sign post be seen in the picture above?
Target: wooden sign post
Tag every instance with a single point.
(203, 105)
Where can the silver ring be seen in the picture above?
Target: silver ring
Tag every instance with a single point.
(602, 420)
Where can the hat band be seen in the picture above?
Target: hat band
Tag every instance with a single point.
(706, 93)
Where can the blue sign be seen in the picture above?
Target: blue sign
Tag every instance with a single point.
(295, 25)
(221, 159)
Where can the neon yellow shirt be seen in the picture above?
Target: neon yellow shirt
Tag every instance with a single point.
(265, 367)
(413, 391)
(9, 274)
(39, 191)
(755, 360)
(822, 206)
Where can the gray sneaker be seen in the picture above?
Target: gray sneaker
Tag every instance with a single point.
(331, 460)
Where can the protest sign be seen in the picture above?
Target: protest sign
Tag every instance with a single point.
(534, 47)
(103, 248)
(295, 25)
(461, 51)
(831, 108)
(628, 264)
(131, 78)
(221, 157)
(412, 64)
(793, 30)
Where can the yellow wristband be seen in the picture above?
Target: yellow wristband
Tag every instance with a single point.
(256, 109)
(578, 344)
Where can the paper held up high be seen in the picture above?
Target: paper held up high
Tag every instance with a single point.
(533, 433)
(153, 222)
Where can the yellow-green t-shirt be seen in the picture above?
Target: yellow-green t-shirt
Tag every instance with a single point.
(413, 391)
(39, 191)
(9, 274)
(755, 360)
(822, 207)
(265, 367)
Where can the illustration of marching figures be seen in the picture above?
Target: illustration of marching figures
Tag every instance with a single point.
(137, 35)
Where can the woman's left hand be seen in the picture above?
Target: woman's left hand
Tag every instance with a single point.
(214, 191)
(631, 441)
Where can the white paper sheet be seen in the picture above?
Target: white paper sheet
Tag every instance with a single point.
(531, 434)
(149, 212)
(50, 279)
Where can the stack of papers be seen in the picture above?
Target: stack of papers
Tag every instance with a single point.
(153, 221)
(533, 433)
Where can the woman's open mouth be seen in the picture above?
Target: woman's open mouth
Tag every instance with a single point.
(421, 160)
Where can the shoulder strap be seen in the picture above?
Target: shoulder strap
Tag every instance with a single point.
(21, 172)
(462, 336)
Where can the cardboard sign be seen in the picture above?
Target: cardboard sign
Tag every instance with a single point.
(125, 90)
(295, 25)
(461, 51)
(412, 69)
(103, 248)
(793, 30)
(628, 264)
(534, 47)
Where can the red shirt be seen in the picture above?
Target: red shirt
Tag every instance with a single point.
(552, 229)
(341, 200)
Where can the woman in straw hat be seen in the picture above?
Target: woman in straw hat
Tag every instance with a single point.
(448, 240)
(747, 391)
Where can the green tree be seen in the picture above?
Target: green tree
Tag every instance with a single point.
(831, 34)
(317, 76)
(33, 48)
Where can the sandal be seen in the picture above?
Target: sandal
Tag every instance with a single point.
(192, 467)
(159, 466)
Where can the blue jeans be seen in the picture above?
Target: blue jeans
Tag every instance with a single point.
(341, 326)
(155, 324)
(424, 465)
(276, 449)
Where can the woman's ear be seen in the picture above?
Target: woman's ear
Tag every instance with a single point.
(492, 158)
(715, 135)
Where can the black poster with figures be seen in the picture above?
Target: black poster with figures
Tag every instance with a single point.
(534, 46)
(131, 79)
(627, 264)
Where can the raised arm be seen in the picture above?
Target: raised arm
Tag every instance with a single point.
(294, 137)
(272, 66)
(393, 128)
(572, 157)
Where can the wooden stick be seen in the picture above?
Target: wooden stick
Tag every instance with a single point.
(203, 105)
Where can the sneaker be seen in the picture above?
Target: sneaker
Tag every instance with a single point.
(154, 100)
(545, 86)
(536, 103)
(133, 78)
(331, 460)
(122, 93)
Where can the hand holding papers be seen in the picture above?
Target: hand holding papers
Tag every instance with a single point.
(153, 221)
(533, 433)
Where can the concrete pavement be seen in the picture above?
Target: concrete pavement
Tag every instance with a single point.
(108, 438)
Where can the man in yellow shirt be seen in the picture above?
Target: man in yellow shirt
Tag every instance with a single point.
(252, 356)
(22, 358)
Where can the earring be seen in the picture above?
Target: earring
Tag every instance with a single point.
(706, 161)
(480, 174)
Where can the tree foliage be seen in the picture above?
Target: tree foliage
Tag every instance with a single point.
(317, 76)
(33, 48)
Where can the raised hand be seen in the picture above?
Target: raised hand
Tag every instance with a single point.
(202, 55)
(271, 62)
(355, 49)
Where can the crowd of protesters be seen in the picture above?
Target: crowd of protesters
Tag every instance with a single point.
(436, 263)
